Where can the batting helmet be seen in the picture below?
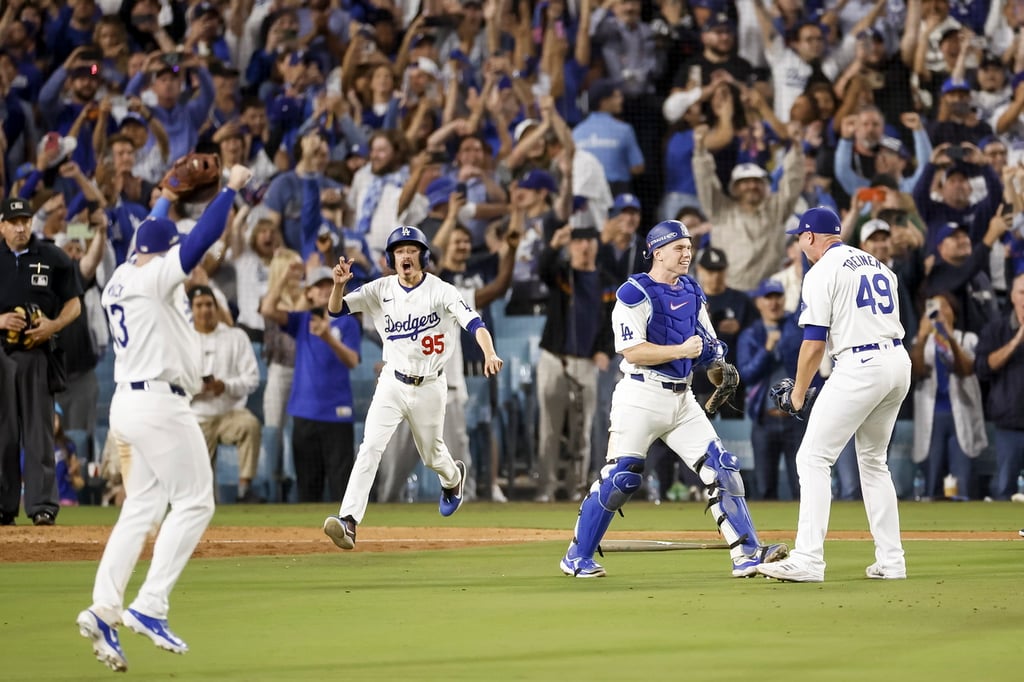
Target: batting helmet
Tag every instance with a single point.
(820, 220)
(665, 232)
(407, 234)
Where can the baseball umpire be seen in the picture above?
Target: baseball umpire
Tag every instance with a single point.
(39, 296)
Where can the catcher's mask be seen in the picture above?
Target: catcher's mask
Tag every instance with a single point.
(156, 235)
(407, 234)
(665, 232)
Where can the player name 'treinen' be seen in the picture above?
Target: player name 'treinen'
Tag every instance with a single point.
(854, 262)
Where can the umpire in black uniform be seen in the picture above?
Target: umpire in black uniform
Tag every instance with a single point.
(39, 296)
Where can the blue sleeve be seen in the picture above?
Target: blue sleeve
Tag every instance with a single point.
(134, 87)
(353, 133)
(751, 357)
(208, 230)
(291, 327)
(161, 208)
(636, 157)
(199, 107)
(843, 168)
(76, 205)
(813, 332)
(275, 198)
(923, 150)
(922, 191)
(345, 310)
(474, 324)
(391, 116)
(311, 218)
(29, 188)
(49, 96)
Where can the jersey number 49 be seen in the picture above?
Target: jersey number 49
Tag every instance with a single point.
(875, 294)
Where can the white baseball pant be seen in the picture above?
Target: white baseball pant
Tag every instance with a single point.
(163, 460)
(862, 398)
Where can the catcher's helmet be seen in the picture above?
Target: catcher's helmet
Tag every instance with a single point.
(820, 220)
(156, 235)
(665, 232)
(407, 234)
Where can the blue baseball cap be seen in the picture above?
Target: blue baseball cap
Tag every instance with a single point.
(439, 190)
(156, 235)
(769, 287)
(624, 202)
(602, 89)
(955, 85)
(948, 230)
(538, 179)
(820, 220)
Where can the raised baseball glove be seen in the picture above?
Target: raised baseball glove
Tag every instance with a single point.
(725, 378)
(17, 340)
(782, 394)
(194, 177)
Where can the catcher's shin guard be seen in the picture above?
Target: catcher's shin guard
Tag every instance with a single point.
(720, 471)
(618, 482)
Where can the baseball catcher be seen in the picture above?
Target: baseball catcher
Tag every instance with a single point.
(782, 394)
(725, 378)
(194, 177)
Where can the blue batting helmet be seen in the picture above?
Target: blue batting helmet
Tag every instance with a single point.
(820, 220)
(665, 232)
(407, 234)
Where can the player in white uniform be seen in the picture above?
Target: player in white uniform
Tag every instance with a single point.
(162, 450)
(851, 311)
(416, 315)
(662, 329)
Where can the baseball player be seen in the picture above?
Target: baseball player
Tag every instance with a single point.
(163, 453)
(662, 329)
(851, 311)
(415, 314)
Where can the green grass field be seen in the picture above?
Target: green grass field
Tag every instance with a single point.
(507, 613)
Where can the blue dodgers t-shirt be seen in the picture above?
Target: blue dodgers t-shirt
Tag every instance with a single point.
(284, 195)
(322, 388)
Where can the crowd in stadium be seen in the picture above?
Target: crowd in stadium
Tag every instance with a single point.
(534, 142)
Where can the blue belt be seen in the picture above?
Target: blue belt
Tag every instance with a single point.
(415, 381)
(873, 346)
(680, 387)
(143, 386)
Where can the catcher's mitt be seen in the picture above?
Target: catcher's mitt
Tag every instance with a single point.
(725, 378)
(194, 177)
(782, 394)
(17, 340)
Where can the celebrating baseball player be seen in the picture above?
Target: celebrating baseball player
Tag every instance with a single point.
(163, 452)
(850, 310)
(415, 314)
(662, 329)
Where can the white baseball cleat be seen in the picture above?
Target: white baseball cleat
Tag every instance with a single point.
(341, 531)
(156, 629)
(105, 643)
(877, 572)
(790, 571)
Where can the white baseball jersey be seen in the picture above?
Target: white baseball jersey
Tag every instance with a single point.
(629, 324)
(855, 296)
(418, 325)
(152, 341)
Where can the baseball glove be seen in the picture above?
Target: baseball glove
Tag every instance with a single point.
(194, 177)
(782, 394)
(17, 340)
(725, 378)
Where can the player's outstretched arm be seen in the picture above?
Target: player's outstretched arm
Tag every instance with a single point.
(211, 224)
(492, 363)
(342, 274)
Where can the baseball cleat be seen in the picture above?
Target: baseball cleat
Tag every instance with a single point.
(342, 531)
(789, 571)
(1021, 532)
(451, 498)
(746, 566)
(105, 643)
(581, 567)
(878, 573)
(156, 629)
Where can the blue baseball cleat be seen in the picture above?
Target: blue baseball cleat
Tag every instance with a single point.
(156, 629)
(746, 566)
(451, 498)
(105, 643)
(581, 567)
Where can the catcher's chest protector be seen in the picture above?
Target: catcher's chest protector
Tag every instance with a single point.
(674, 309)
